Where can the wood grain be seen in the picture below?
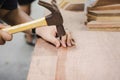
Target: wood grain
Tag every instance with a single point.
(43, 64)
(105, 15)
(105, 12)
(96, 56)
(61, 64)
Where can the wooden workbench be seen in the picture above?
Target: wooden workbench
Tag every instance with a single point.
(96, 55)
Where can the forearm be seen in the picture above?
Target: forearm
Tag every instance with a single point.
(17, 16)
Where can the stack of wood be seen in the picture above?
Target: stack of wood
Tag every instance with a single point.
(72, 5)
(105, 17)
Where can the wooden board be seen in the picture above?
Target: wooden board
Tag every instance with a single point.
(96, 55)
(105, 19)
(106, 26)
(107, 15)
(107, 2)
(105, 12)
(106, 7)
(72, 5)
(75, 7)
(43, 63)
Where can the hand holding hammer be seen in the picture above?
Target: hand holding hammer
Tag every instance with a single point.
(55, 18)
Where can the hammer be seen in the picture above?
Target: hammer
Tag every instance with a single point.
(55, 18)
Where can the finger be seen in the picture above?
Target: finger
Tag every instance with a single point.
(69, 37)
(55, 41)
(6, 36)
(63, 40)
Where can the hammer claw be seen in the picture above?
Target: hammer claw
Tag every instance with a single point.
(54, 3)
(46, 5)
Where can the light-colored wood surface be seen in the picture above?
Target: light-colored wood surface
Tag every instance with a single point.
(43, 64)
(96, 55)
(105, 16)
(72, 5)
(107, 2)
(105, 12)
(103, 26)
(107, 7)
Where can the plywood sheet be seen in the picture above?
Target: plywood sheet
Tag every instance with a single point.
(104, 18)
(107, 2)
(72, 5)
(106, 7)
(105, 12)
(106, 26)
(96, 55)
(43, 64)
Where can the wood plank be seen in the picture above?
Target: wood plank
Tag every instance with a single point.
(103, 20)
(106, 26)
(106, 7)
(43, 65)
(106, 18)
(75, 7)
(105, 15)
(96, 55)
(61, 64)
(72, 5)
(93, 57)
(107, 2)
(105, 12)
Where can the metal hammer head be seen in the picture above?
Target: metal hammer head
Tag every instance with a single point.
(55, 18)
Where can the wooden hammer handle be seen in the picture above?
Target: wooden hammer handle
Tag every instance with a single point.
(26, 26)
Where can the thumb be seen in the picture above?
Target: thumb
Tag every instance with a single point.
(6, 36)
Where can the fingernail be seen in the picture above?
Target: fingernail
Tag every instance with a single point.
(64, 45)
